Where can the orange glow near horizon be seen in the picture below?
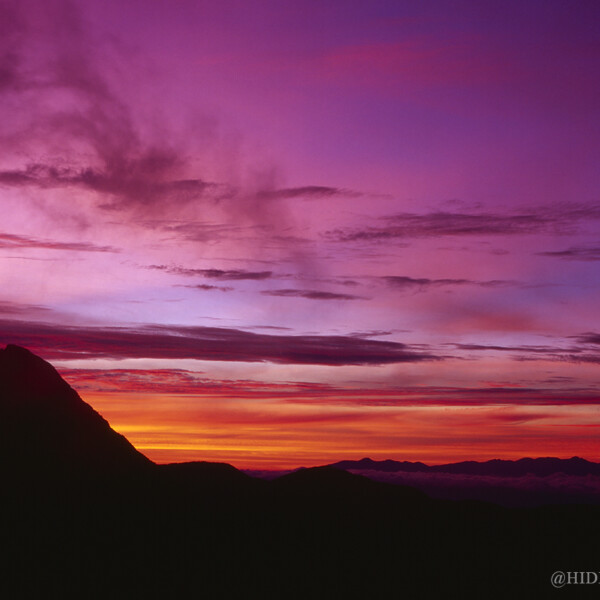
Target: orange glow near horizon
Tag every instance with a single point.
(274, 434)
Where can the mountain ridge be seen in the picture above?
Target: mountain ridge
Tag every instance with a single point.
(540, 466)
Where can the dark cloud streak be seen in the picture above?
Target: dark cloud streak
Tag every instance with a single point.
(584, 253)
(221, 274)
(308, 192)
(209, 288)
(55, 342)
(311, 295)
(589, 338)
(400, 281)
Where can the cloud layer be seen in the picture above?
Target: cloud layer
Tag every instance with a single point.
(205, 343)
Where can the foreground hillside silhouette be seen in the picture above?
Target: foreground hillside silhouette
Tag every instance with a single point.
(86, 515)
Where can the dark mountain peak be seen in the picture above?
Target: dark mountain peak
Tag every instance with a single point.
(19, 355)
(576, 460)
(23, 373)
(332, 486)
(45, 427)
(199, 476)
(222, 472)
(13, 349)
(322, 474)
(387, 465)
(322, 482)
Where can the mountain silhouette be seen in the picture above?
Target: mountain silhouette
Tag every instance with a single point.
(328, 484)
(100, 520)
(388, 466)
(540, 467)
(45, 427)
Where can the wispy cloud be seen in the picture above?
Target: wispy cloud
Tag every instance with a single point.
(564, 353)
(311, 295)
(549, 219)
(404, 282)
(191, 230)
(17, 308)
(235, 274)
(181, 381)
(136, 180)
(308, 192)
(221, 274)
(522, 349)
(455, 396)
(585, 253)
(12, 241)
(209, 288)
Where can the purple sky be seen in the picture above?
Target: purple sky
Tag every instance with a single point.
(284, 233)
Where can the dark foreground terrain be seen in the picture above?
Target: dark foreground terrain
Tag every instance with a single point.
(83, 514)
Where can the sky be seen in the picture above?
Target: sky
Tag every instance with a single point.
(285, 234)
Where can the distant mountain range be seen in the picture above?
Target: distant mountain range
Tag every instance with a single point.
(84, 515)
(540, 467)
(524, 482)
